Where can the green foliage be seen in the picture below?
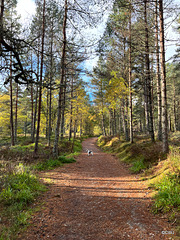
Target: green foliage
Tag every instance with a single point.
(19, 190)
(63, 159)
(162, 172)
(77, 146)
(168, 196)
(22, 188)
(23, 148)
(102, 140)
(167, 182)
(53, 163)
(48, 164)
(138, 166)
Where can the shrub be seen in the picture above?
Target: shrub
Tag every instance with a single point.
(63, 159)
(48, 164)
(138, 166)
(53, 163)
(21, 188)
(168, 193)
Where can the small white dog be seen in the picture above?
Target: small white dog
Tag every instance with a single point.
(90, 152)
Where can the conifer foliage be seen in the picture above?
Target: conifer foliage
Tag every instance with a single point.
(43, 88)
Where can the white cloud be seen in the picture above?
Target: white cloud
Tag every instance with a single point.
(26, 8)
(89, 64)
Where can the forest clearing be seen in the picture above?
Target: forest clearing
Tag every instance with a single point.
(90, 120)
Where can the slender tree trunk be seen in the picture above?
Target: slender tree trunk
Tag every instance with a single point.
(119, 122)
(178, 116)
(81, 126)
(103, 125)
(56, 141)
(63, 110)
(169, 122)
(25, 125)
(50, 87)
(40, 87)
(127, 119)
(32, 102)
(147, 74)
(36, 97)
(47, 113)
(114, 117)
(71, 111)
(11, 115)
(174, 107)
(124, 117)
(163, 82)
(112, 121)
(1, 24)
(110, 124)
(11, 105)
(152, 87)
(50, 115)
(130, 82)
(146, 104)
(75, 122)
(32, 110)
(158, 79)
(35, 114)
(16, 113)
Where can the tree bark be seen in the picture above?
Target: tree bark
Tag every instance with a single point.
(130, 82)
(41, 73)
(114, 122)
(174, 106)
(36, 96)
(11, 105)
(158, 79)
(50, 87)
(47, 113)
(119, 122)
(56, 141)
(163, 82)
(147, 74)
(110, 124)
(32, 101)
(103, 125)
(125, 123)
(1, 25)
(63, 110)
(35, 114)
(16, 114)
(71, 111)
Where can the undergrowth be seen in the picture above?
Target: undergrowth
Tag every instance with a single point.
(166, 181)
(161, 171)
(20, 188)
(168, 195)
(53, 163)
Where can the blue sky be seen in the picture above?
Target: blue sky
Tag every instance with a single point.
(26, 8)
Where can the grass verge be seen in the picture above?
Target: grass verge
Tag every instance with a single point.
(162, 172)
(53, 163)
(20, 189)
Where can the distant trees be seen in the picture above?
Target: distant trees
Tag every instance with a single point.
(130, 42)
(42, 68)
(47, 59)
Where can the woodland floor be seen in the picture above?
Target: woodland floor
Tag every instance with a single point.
(96, 198)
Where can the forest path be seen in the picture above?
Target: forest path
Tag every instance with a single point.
(95, 198)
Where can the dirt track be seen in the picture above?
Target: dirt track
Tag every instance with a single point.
(96, 198)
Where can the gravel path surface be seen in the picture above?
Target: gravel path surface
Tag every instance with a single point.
(96, 198)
